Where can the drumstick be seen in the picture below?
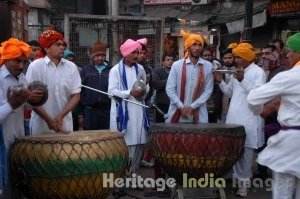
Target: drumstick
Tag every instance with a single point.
(105, 93)
(136, 103)
(160, 111)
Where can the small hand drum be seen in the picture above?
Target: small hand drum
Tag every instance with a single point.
(140, 84)
(40, 85)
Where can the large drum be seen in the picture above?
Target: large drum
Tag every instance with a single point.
(60, 166)
(196, 149)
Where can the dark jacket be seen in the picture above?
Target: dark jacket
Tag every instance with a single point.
(159, 82)
(92, 78)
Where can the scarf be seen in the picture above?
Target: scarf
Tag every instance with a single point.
(197, 92)
(123, 111)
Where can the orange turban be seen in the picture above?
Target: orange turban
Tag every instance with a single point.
(48, 38)
(13, 48)
(245, 51)
(190, 39)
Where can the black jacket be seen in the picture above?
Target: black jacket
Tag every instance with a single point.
(92, 78)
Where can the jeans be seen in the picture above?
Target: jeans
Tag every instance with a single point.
(96, 119)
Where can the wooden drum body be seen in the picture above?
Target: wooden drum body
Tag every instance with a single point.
(68, 165)
(196, 149)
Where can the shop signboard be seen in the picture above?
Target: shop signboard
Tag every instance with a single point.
(284, 8)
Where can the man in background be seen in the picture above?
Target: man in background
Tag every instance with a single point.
(96, 106)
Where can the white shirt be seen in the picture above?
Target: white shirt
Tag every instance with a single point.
(239, 112)
(136, 133)
(62, 82)
(282, 151)
(174, 84)
(12, 120)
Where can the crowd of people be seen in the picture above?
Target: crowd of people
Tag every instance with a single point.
(262, 96)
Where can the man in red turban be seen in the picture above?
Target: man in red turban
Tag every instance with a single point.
(64, 85)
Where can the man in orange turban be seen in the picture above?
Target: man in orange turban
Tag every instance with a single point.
(190, 83)
(13, 94)
(64, 85)
(247, 77)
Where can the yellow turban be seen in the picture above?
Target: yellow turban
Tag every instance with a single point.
(190, 38)
(13, 48)
(245, 51)
(232, 45)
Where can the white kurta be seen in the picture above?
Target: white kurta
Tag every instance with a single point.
(12, 120)
(136, 133)
(282, 151)
(62, 81)
(239, 112)
(174, 83)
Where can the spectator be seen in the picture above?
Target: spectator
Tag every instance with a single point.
(77, 112)
(96, 106)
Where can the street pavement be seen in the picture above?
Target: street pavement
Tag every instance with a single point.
(263, 192)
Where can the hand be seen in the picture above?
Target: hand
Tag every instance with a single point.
(17, 96)
(239, 74)
(137, 92)
(36, 95)
(80, 122)
(58, 120)
(270, 108)
(52, 125)
(186, 112)
(218, 77)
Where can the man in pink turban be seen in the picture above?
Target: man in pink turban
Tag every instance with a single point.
(130, 119)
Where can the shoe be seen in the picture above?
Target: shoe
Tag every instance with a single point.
(144, 163)
(242, 192)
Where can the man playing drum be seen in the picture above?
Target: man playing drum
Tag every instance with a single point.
(247, 77)
(282, 151)
(132, 120)
(190, 83)
(13, 94)
(63, 82)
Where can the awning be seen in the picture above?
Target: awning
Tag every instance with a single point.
(259, 19)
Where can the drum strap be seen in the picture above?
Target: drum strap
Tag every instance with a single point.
(197, 92)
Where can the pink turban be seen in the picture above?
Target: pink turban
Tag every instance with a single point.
(130, 45)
